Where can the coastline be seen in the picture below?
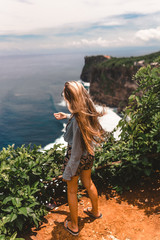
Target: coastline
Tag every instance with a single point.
(109, 121)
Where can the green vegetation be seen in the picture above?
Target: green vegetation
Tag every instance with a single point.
(127, 62)
(25, 171)
(137, 153)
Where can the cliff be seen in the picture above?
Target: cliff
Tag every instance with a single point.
(111, 79)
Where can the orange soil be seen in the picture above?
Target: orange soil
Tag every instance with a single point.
(134, 215)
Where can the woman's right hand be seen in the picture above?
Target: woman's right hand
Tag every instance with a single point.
(60, 115)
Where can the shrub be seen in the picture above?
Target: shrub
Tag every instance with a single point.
(137, 152)
(23, 172)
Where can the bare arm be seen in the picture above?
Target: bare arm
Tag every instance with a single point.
(61, 115)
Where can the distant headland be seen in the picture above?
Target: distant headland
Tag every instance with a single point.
(111, 79)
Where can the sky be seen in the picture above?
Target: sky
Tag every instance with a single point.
(29, 26)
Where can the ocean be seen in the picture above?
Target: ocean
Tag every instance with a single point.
(30, 92)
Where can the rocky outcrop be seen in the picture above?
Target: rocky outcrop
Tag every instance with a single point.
(111, 79)
(90, 62)
(112, 86)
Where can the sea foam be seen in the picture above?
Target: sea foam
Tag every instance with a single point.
(109, 122)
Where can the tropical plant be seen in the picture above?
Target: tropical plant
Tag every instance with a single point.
(23, 175)
(137, 152)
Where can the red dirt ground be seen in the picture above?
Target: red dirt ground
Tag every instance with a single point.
(134, 215)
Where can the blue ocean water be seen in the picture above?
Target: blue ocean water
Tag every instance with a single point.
(30, 92)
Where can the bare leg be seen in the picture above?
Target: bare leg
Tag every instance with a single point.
(72, 188)
(91, 189)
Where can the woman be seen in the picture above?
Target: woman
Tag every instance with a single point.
(83, 132)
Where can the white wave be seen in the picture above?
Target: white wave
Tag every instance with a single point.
(59, 140)
(109, 121)
(62, 103)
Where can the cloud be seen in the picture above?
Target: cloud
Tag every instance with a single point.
(39, 24)
(99, 42)
(148, 34)
(85, 42)
(18, 17)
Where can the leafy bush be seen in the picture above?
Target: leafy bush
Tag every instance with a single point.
(23, 172)
(137, 152)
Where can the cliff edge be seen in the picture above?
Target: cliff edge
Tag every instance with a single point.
(111, 79)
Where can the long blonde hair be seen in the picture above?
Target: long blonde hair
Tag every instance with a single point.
(82, 107)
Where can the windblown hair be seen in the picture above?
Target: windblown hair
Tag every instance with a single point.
(82, 107)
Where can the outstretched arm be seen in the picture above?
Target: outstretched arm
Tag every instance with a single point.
(61, 115)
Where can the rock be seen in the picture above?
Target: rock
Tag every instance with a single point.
(111, 79)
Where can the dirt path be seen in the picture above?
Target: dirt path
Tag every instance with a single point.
(134, 215)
